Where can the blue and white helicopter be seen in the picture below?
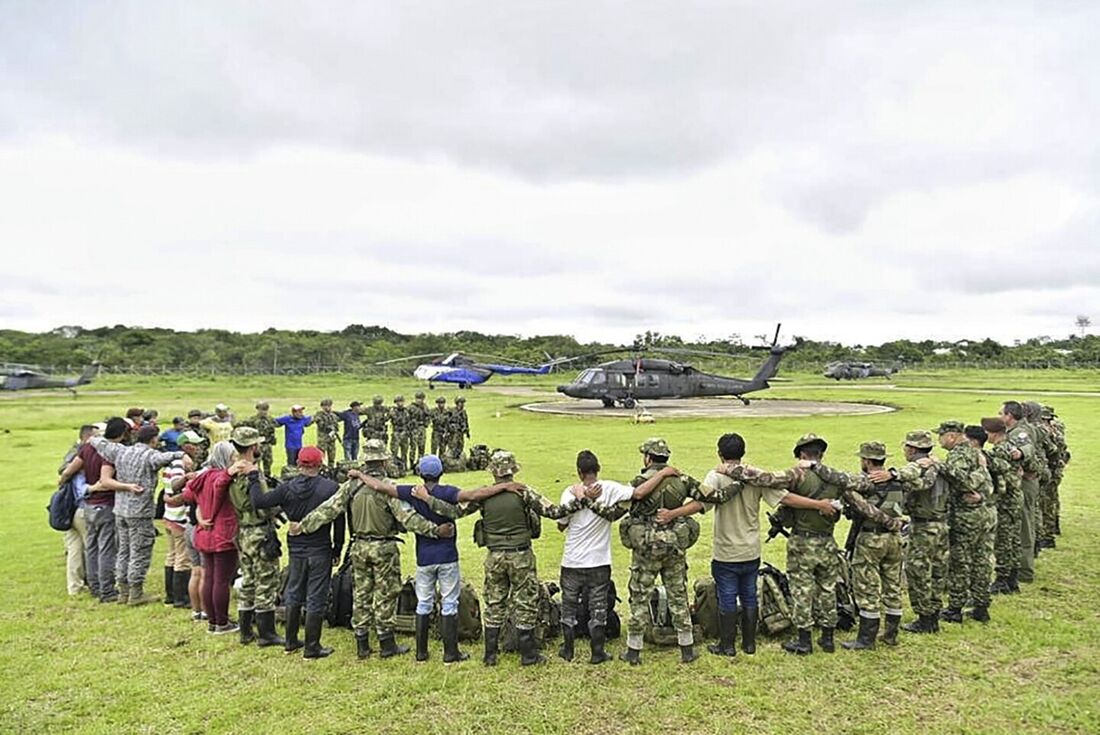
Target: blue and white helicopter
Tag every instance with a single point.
(464, 371)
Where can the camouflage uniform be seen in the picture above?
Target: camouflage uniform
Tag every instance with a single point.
(1058, 434)
(376, 522)
(439, 416)
(1010, 507)
(265, 424)
(376, 420)
(328, 431)
(1053, 448)
(420, 417)
(458, 429)
(259, 575)
(193, 425)
(1021, 436)
(400, 419)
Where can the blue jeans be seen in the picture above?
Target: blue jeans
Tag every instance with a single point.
(351, 447)
(292, 455)
(734, 579)
(450, 584)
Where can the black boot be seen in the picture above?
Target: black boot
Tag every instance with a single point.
(181, 598)
(492, 635)
(568, 635)
(313, 648)
(826, 640)
(265, 624)
(169, 585)
(980, 613)
(952, 615)
(388, 648)
(422, 623)
(528, 650)
(632, 656)
(448, 625)
(923, 624)
(687, 654)
(1000, 585)
(890, 637)
(293, 622)
(1014, 582)
(802, 645)
(724, 647)
(245, 623)
(597, 637)
(749, 616)
(865, 640)
(362, 645)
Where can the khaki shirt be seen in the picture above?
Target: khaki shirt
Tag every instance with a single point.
(737, 522)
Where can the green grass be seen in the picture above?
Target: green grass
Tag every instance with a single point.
(76, 665)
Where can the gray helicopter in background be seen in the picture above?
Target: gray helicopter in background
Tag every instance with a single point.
(845, 370)
(26, 377)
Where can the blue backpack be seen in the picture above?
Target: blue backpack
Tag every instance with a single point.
(62, 507)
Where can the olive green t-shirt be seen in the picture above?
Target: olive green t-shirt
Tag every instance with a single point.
(737, 522)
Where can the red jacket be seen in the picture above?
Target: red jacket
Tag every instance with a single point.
(210, 491)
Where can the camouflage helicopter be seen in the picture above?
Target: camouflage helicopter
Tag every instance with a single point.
(844, 370)
(24, 377)
(625, 382)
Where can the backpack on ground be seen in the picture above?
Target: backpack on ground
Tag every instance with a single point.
(340, 598)
(547, 621)
(846, 609)
(774, 600)
(614, 626)
(479, 457)
(704, 611)
(469, 614)
(405, 620)
(454, 464)
(62, 507)
(659, 631)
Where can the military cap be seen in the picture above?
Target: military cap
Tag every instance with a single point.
(374, 450)
(194, 412)
(441, 400)
(919, 439)
(947, 427)
(399, 399)
(807, 439)
(376, 400)
(420, 395)
(190, 437)
(355, 404)
(656, 446)
(994, 425)
(221, 407)
(263, 406)
(503, 463)
(1032, 410)
(326, 401)
(460, 399)
(872, 450)
(246, 436)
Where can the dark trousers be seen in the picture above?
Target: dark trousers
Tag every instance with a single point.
(308, 578)
(593, 583)
(292, 455)
(732, 580)
(351, 447)
(218, 571)
(100, 549)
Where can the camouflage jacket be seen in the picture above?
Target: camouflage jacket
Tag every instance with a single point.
(420, 416)
(458, 422)
(375, 419)
(671, 493)
(1051, 450)
(1004, 470)
(370, 513)
(531, 499)
(439, 418)
(401, 419)
(966, 472)
(265, 425)
(328, 426)
(855, 486)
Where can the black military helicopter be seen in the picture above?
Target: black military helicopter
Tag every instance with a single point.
(845, 370)
(626, 382)
(25, 377)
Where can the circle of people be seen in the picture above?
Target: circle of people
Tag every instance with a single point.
(953, 531)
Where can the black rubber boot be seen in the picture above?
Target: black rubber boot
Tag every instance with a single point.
(980, 613)
(632, 656)
(687, 654)
(865, 639)
(749, 616)
(448, 625)
(169, 585)
(362, 645)
(1014, 582)
(313, 648)
(826, 640)
(1000, 585)
(802, 645)
(422, 624)
(387, 648)
(597, 637)
(890, 637)
(265, 624)
(568, 635)
(293, 623)
(181, 598)
(952, 615)
(528, 650)
(492, 635)
(245, 618)
(923, 624)
(726, 625)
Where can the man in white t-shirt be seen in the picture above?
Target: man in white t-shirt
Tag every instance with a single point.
(586, 558)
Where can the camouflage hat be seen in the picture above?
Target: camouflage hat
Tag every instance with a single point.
(1032, 410)
(919, 439)
(1047, 412)
(656, 446)
(376, 400)
(460, 399)
(441, 400)
(994, 425)
(326, 401)
(193, 413)
(221, 407)
(807, 439)
(420, 395)
(190, 437)
(399, 399)
(374, 450)
(263, 406)
(246, 436)
(503, 463)
(947, 427)
(872, 450)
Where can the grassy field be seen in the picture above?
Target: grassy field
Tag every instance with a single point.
(72, 664)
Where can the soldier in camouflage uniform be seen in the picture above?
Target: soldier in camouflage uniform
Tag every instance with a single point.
(376, 421)
(439, 417)
(458, 429)
(265, 424)
(1058, 434)
(376, 521)
(1048, 490)
(400, 419)
(971, 521)
(420, 417)
(194, 423)
(328, 431)
(1023, 438)
(259, 575)
(1006, 472)
(877, 555)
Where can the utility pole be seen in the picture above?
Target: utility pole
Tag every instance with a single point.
(275, 361)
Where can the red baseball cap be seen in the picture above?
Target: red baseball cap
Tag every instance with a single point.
(310, 457)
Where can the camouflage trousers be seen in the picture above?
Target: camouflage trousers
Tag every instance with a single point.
(456, 445)
(971, 555)
(1048, 508)
(925, 565)
(511, 576)
(673, 570)
(1006, 546)
(259, 576)
(876, 573)
(416, 444)
(399, 447)
(439, 442)
(1029, 526)
(369, 434)
(812, 570)
(327, 445)
(376, 571)
(135, 538)
(266, 460)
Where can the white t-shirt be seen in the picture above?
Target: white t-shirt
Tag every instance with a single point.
(588, 537)
(178, 513)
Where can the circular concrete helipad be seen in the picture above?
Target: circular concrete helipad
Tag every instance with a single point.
(712, 408)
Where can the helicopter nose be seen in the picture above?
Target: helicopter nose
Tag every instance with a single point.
(563, 389)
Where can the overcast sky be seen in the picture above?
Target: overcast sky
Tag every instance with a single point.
(861, 171)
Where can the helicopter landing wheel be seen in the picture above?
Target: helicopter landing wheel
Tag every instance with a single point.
(608, 402)
(744, 400)
(629, 403)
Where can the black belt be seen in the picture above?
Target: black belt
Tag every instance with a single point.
(525, 547)
(926, 520)
(370, 537)
(814, 534)
(875, 530)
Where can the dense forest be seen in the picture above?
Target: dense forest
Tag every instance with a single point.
(358, 348)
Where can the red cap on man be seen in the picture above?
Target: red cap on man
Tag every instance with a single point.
(310, 457)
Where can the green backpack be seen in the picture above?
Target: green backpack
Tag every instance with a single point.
(704, 611)
(547, 624)
(659, 630)
(469, 612)
(775, 600)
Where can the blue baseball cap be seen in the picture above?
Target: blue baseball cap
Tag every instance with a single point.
(429, 466)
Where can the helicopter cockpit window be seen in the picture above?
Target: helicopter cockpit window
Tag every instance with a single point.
(586, 377)
(599, 377)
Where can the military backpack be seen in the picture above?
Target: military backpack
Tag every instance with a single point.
(547, 622)
(479, 457)
(774, 600)
(846, 609)
(659, 630)
(341, 596)
(614, 626)
(704, 611)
